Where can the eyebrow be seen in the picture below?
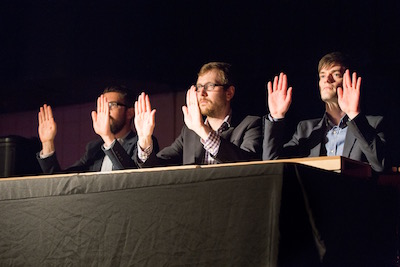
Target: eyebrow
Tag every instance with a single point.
(333, 71)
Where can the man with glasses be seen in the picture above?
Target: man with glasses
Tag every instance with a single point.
(115, 149)
(343, 131)
(221, 137)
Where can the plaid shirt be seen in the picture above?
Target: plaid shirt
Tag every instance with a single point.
(144, 154)
(213, 141)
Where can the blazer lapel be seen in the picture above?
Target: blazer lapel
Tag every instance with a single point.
(348, 144)
(228, 133)
(97, 164)
(317, 135)
(130, 141)
(98, 159)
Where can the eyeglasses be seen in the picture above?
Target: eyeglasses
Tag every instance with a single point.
(112, 105)
(208, 86)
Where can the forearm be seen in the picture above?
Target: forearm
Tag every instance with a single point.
(48, 147)
(229, 152)
(145, 142)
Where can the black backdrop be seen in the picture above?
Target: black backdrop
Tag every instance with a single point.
(64, 52)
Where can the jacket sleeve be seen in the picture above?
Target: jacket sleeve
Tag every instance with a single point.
(244, 144)
(371, 138)
(119, 156)
(168, 156)
(50, 164)
(273, 138)
(305, 142)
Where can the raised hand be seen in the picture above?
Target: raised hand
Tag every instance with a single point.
(47, 129)
(192, 115)
(144, 120)
(101, 120)
(279, 97)
(349, 95)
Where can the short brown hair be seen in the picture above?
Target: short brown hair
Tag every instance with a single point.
(223, 69)
(123, 91)
(334, 58)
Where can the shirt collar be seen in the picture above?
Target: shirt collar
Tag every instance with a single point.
(342, 123)
(225, 124)
(122, 139)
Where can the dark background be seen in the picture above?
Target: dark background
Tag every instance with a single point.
(65, 52)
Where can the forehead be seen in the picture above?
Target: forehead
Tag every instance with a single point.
(331, 68)
(210, 76)
(113, 96)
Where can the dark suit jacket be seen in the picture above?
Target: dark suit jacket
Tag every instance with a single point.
(365, 140)
(121, 156)
(240, 142)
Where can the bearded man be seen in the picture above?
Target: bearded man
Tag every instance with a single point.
(115, 149)
(211, 134)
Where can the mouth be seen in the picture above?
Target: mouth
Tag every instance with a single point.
(327, 88)
(203, 101)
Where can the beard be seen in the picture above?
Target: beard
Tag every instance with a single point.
(116, 125)
(212, 109)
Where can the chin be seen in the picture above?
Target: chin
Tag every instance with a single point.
(328, 96)
(203, 110)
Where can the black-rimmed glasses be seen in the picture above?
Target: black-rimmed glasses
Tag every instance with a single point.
(112, 105)
(208, 86)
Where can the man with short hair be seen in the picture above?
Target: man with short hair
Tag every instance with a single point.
(221, 137)
(115, 149)
(344, 130)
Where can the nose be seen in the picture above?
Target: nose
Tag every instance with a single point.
(202, 91)
(330, 78)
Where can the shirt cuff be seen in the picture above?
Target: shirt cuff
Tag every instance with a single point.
(43, 156)
(271, 119)
(144, 154)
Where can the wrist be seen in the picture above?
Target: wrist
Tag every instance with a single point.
(108, 140)
(272, 119)
(277, 115)
(145, 142)
(48, 147)
(352, 115)
(203, 131)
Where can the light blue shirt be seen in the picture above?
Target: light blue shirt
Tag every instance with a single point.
(335, 137)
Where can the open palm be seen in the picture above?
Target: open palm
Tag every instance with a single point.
(47, 126)
(349, 95)
(279, 97)
(144, 117)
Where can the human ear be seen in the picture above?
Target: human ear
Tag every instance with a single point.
(230, 92)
